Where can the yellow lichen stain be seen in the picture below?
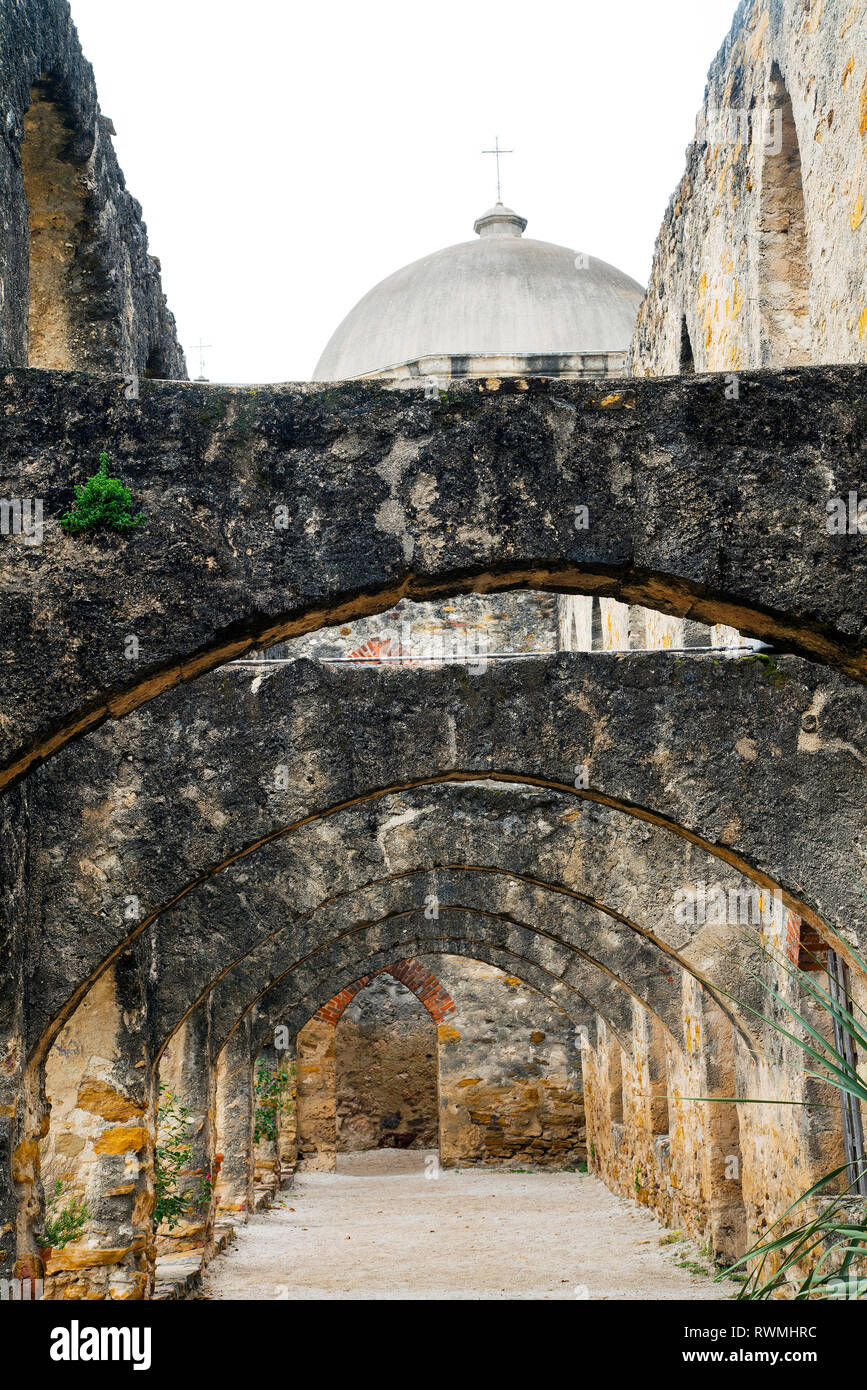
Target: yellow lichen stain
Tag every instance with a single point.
(856, 215)
(862, 107)
(850, 18)
(609, 400)
(815, 16)
(862, 324)
(121, 1140)
(447, 1035)
(25, 1161)
(847, 71)
(83, 1257)
(99, 1098)
(756, 39)
(471, 1081)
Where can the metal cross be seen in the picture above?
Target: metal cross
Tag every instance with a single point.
(200, 347)
(497, 151)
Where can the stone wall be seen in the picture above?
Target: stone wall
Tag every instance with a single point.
(509, 1073)
(762, 255)
(78, 286)
(723, 1172)
(386, 1071)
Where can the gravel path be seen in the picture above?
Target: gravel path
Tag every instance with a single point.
(379, 1229)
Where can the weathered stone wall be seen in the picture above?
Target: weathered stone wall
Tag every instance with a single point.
(386, 1071)
(762, 255)
(723, 1172)
(509, 1072)
(77, 286)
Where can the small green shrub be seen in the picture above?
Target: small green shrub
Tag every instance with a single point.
(63, 1224)
(273, 1099)
(101, 504)
(173, 1157)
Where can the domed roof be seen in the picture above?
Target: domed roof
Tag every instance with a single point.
(502, 294)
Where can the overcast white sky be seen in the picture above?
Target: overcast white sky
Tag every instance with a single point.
(290, 156)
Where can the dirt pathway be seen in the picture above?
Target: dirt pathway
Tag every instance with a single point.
(380, 1229)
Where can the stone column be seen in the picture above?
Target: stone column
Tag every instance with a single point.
(186, 1074)
(287, 1119)
(266, 1163)
(235, 1102)
(99, 1145)
(727, 1213)
(317, 1097)
(19, 1154)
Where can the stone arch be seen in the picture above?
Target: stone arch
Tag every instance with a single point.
(783, 267)
(578, 973)
(256, 930)
(650, 546)
(734, 706)
(418, 979)
(413, 1081)
(291, 1002)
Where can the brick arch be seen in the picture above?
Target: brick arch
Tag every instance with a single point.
(410, 972)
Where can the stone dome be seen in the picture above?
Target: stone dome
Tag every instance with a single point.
(502, 298)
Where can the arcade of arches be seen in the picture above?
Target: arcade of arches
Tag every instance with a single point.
(286, 876)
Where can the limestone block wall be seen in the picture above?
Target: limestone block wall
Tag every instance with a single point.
(234, 1124)
(78, 287)
(762, 253)
(386, 1070)
(722, 1171)
(509, 1072)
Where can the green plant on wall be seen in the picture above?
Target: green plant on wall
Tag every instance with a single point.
(64, 1222)
(102, 503)
(273, 1089)
(173, 1158)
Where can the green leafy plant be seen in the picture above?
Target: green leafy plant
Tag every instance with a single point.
(173, 1158)
(102, 503)
(63, 1223)
(273, 1089)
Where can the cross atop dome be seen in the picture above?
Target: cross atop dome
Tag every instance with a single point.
(497, 151)
(500, 221)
